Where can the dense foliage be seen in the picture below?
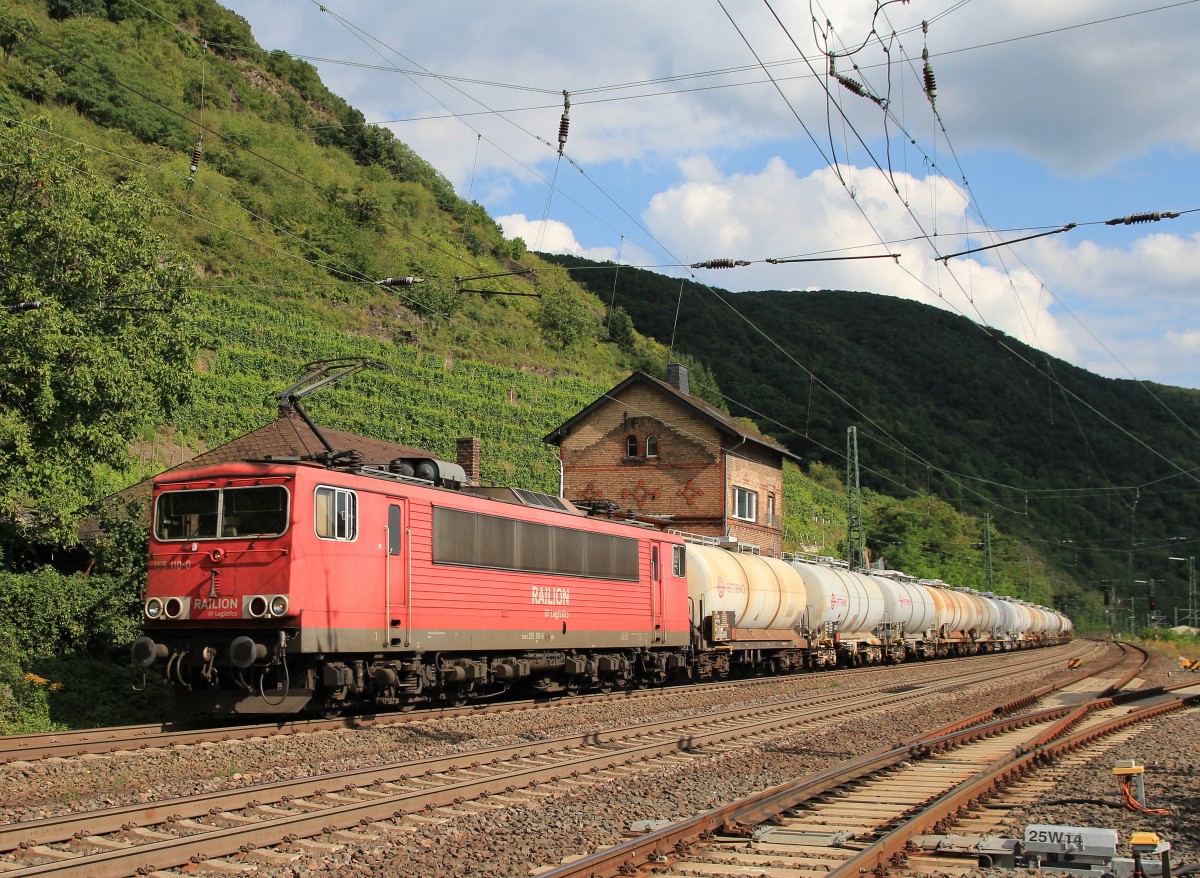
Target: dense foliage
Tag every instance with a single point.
(94, 327)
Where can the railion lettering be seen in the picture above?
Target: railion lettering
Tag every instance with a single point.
(550, 596)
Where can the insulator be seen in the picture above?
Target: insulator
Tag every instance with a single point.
(857, 87)
(1142, 218)
(851, 85)
(930, 81)
(399, 281)
(720, 263)
(564, 123)
(195, 159)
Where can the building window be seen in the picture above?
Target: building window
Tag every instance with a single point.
(631, 446)
(745, 504)
(771, 520)
(336, 514)
(652, 446)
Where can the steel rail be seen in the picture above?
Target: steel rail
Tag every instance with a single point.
(628, 857)
(112, 739)
(890, 849)
(31, 834)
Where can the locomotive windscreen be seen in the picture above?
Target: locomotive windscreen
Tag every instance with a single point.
(476, 540)
(230, 512)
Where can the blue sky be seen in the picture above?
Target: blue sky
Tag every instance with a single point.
(703, 130)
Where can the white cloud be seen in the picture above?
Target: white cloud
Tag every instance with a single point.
(776, 213)
(551, 236)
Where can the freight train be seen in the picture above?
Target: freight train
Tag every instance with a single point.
(291, 585)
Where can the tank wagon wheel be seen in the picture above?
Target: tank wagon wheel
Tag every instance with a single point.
(330, 712)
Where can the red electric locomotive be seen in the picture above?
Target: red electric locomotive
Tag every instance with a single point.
(279, 586)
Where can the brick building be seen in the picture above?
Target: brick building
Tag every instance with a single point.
(663, 455)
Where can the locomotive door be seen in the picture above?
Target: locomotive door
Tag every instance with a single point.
(396, 576)
(658, 551)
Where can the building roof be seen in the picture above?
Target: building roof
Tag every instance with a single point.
(725, 423)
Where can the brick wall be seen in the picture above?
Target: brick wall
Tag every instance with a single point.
(753, 469)
(687, 478)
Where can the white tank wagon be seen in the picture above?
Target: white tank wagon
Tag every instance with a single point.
(845, 613)
(1006, 633)
(910, 609)
(752, 602)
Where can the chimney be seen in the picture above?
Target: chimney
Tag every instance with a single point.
(677, 377)
(468, 457)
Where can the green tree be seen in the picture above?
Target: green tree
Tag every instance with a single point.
(620, 329)
(566, 318)
(15, 26)
(94, 326)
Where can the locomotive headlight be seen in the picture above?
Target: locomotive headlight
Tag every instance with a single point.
(173, 608)
(279, 605)
(154, 608)
(257, 606)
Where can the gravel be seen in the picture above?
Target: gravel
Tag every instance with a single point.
(542, 827)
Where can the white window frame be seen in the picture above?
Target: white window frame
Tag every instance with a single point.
(651, 446)
(745, 504)
(345, 526)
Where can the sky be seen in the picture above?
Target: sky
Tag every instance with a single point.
(720, 129)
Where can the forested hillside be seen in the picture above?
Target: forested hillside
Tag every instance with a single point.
(189, 220)
(1095, 473)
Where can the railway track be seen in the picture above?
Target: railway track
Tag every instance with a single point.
(277, 822)
(68, 744)
(862, 816)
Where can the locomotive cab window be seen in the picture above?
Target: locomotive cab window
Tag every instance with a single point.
(335, 513)
(187, 515)
(228, 512)
(678, 561)
(258, 512)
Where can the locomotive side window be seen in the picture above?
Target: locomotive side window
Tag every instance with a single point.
(336, 514)
(393, 530)
(475, 540)
(187, 515)
(678, 562)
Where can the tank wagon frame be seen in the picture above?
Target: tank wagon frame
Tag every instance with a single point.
(287, 585)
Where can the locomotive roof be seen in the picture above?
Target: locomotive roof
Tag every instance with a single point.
(286, 436)
(723, 422)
